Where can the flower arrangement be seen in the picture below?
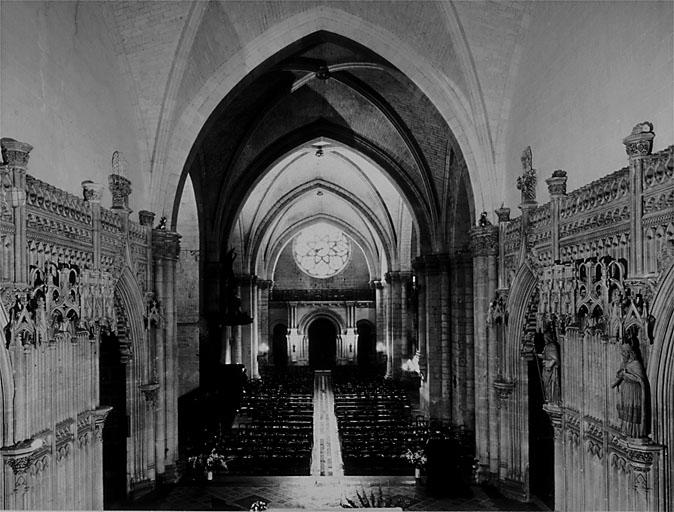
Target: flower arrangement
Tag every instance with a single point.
(211, 462)
(416, 457)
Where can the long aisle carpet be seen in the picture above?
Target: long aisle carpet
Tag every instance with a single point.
(326, 457)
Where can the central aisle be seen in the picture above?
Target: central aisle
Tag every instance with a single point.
(326, 456)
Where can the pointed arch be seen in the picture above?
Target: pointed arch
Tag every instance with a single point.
(661, 374)
(6, 386)
(442, 91)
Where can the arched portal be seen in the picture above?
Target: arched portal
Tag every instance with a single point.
(279, 349)
(322, 334)
(367, 338)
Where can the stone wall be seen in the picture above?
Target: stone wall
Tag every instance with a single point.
(573, 319)
(72, 273)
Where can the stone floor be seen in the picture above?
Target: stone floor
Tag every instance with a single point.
(317, 493)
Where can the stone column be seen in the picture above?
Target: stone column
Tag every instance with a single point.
(420, 272)
(294, 339)
(15, 154)
(405, 279)
(484, 240)
(445, 339)
(93, 193)
(638, 145)
(264, 286)
(557, 190)
(99, 416)
(380, 316)
(396, 326)
(434, 341)
(166, 248)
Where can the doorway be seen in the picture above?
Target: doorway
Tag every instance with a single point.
(115, 431)
(322, 344)
(541, 436)
(366, 343)
(279, 346)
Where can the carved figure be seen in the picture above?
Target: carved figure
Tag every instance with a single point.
(634, 400)
(162, 223)
(483, 221)
(527, 182)
(550, 372)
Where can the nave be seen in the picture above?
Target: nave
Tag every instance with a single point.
(350, 448)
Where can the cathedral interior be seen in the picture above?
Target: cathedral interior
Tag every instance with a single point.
(324, 254)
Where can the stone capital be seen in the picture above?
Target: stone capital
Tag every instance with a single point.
(120, 188)
(484, 240)
(392, 276)
(92, 192)
(376, 284)
(503, 214)
(265, 284)
(640, 141)
(557, 183)
(146, 218)
(14, 153)
(149, 392)
(165, 244)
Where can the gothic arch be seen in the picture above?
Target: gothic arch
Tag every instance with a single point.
(6, 386)
(442, 91)
(661, 374)
(519, 299)
(132, 298)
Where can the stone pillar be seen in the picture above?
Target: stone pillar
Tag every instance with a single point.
(380, 315)
(93, 193)
(350, 352)
(264, 287)
(484, 240)
(638, 145)
(294, 338)
(445, 409)
(166, 248)
(249, 331)
(557, 190)
(420, 272)
(503, 215)
(434, 336)
(97, 478)
(388, 319)
(466, 376)
(394, 321)
(405, 279)
(15, 154)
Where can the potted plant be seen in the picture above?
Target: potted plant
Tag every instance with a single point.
(416, 458)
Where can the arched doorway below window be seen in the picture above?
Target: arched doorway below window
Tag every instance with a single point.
(322, 344)
(366, 343)
(279, 349)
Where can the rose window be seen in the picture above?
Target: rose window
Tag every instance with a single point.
(321, 250)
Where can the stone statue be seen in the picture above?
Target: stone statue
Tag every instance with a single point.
(527, 182)
(550, 372)
(483, 221)
(633, 403)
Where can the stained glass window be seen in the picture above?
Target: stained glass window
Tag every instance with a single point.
(321, 250)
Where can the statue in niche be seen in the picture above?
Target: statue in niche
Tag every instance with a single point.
(633, 403)
(550, 361)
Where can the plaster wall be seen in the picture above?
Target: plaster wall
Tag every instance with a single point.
(64, 92)
(589, 72)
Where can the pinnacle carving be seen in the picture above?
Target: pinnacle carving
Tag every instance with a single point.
(640, 141)
(92, 192)
(557, 183)
(14, 153)
(120, 187)
(527, 182)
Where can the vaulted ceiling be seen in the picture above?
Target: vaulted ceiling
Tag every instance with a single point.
(182, 58)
